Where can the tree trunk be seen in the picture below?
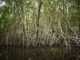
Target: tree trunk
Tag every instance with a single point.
(22, 22)
(37, 22)
(79, 26)
(79, 30)
(63, 22)
(53, 19)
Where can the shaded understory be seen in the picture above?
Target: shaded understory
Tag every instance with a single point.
(17, 53)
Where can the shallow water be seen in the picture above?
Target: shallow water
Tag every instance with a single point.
(16, 53)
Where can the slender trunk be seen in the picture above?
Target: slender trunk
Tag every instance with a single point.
(63, 9)
(27, 21)
(63, 22)
(79, 30)
(22, 21)
(53, 19)
(14, 20)
(22, 10)
(37, 22)
(79, 26)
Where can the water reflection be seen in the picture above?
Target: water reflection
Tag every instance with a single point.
(13, 53)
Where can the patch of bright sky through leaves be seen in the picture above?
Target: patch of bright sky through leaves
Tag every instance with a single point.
(2, 3)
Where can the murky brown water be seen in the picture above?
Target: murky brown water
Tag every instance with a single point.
(13, 53)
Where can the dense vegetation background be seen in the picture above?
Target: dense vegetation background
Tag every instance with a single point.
(40, 22)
